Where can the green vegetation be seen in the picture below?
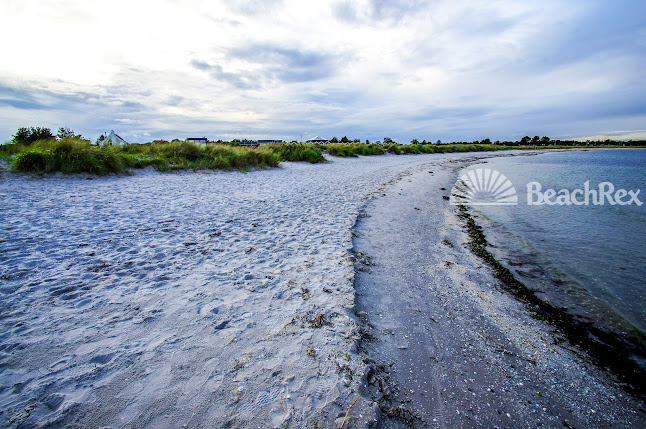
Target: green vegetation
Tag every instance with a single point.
(68, 155)
(36, 149)
(365, 149)
(76, 155)
(353, 149)
(298, 152)
(27, 136)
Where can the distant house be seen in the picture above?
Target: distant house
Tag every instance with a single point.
(111, 139)
(198, 140)
(318, 139)
(257, 143)
(246, 142)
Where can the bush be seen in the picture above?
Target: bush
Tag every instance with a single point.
(367, 149)
(298, 152)
(393, 148)
(31, 161)
(188, 151)
(311, 155)
(220, 156)
(341, 150)
(68, 155)
(9, 149)
(138, 161)
(411, 148)
(135, 148)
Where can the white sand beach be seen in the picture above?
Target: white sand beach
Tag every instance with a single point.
(205, 299)
(209, 299)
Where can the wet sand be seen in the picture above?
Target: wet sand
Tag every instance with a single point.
(448, 347)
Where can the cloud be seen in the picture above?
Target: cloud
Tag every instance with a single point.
(174, 100)
(345, 11)
(240, 80)
(253, 7)
(269, 65)
(396, 9)
(376, 10)
(287, 64)
(20, 99)
(447, 69)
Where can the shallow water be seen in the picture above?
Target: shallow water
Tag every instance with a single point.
(589, 258)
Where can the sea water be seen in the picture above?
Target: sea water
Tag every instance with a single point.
(587, 258)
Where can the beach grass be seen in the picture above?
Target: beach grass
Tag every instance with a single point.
(366, 149)
(298, 152)
(77, 155)
(68, 155)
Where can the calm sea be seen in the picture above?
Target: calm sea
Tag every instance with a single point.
(590, 259)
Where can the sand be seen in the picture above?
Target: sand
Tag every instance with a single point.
(458, 351)
(198, 299)
(220, 299)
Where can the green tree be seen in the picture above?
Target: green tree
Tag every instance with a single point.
(486, 141)
(334, 140)
(414, 141)
(65, 133)
(22, 135)
(27, 136)
(535, 140)
(525, 140)
(545, 140)
(345, 139)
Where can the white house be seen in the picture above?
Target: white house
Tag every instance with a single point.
(318, 139)
(111, 139)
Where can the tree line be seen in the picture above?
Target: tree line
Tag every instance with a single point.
(25, 136)
(28, 135)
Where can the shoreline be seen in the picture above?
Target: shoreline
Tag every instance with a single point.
(605, 348)
(466, 286)
(215, 299)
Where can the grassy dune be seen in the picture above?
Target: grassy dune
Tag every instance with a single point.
(76, 155)
(73, 155)
(68, 155)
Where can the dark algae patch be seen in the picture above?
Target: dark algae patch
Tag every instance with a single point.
(623, 355)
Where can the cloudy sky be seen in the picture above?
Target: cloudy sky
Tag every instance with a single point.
(450, 70)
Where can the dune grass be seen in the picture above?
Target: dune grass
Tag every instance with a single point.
(68, 155)
(354, 149)
(77, 155)
(186, 155)
(74, 155)
(298, 152)
(357, 149)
